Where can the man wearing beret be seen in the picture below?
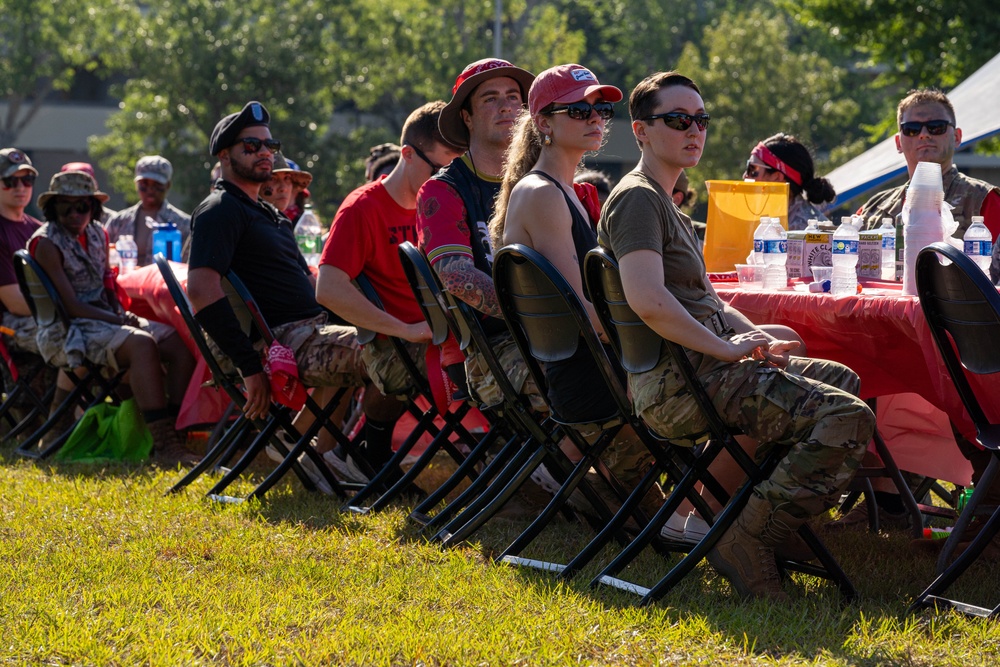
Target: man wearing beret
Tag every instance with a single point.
(153, 174)
(233, 229)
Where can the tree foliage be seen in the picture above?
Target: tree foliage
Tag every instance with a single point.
(43, 46)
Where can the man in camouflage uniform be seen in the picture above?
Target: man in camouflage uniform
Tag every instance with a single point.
(928, 133)
(804, 405)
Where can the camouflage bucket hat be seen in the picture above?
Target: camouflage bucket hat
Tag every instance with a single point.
(72, 184)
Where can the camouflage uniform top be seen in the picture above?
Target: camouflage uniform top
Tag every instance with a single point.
(965, 194)
(800, 212)
(127, 222)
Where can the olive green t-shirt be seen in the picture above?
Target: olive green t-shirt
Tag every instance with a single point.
(639, 215)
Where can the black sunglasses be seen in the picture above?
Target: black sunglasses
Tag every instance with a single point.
(753, 170)
(582, 110)
(681, 121)
(27, 181)
(81, 206)
(934, 127)
(253, 144)
(420, 154)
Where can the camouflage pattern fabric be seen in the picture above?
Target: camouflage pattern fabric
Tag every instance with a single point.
(809, 407)
(328, 355)
(24, 329)
(485, 387)
(385, 368)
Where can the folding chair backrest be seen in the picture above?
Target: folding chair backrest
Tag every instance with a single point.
(959, 300)
(247, 311)
(545, 315)
(421, 280)
(38, 290)
(638, 347)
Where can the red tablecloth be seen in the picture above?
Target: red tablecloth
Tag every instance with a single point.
(884, 337)
(151, 299)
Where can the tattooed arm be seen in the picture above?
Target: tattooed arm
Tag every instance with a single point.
(461, 277)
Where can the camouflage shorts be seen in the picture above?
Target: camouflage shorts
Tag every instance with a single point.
(24, 329)
(809, 407)
(485, 387)
(387, 371)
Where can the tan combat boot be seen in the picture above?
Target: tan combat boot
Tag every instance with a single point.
(744, 558)
(169, 445)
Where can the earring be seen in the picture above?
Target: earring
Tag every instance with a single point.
(546, 140)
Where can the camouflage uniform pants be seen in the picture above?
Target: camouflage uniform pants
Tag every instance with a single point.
(387, 371)
(328, 355)
(24, 329)
(481, 380)
(810, 407)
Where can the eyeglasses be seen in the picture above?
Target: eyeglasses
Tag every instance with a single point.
(934, 127)
(151, 186)
(420, 154)
(253, 144)
(27, 181)
(80, 206)
(681, 121)
(754, 170)
(582, 110)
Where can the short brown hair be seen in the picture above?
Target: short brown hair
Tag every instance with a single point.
(642, 101)
(421, 127)
(920, 96)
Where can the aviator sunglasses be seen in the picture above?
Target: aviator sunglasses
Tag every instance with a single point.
(27, 181)
(253, 144)
(582, 110)
(913, 128)
(681, 121)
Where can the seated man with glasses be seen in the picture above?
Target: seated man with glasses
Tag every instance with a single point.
(364, 237)
(233, 229)
(152, 183)
(928, 133)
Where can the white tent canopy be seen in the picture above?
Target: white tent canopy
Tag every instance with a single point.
(976, 108)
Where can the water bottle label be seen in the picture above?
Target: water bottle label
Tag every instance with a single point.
(971, 248)
(775, 246)
(986, 248)
(888, 242)
(845, 247)
(758, 245)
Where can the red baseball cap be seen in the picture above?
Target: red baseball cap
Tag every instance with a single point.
(450, 122)
(563, 84)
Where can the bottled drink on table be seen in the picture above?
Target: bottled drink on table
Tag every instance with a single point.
(757, 254)
(166, 239)
(128, 253)
(775, 255)
(114, 261)
(888, 249)
(979, 243)
(309, 236)
(845, 258)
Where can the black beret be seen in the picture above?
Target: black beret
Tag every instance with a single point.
(226, 130)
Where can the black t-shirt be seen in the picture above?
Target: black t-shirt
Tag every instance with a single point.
(230, 231)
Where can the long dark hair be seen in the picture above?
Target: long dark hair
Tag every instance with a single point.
(792, 152)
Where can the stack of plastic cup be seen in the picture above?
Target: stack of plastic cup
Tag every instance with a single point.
(921, 218)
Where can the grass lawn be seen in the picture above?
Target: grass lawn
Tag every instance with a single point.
(100, 568)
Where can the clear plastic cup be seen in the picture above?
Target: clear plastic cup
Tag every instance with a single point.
(751, 276)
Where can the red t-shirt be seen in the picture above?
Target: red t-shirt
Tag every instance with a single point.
(990, 210)
(364, 237)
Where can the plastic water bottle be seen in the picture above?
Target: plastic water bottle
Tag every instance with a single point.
(888, 249)
(775, 255)
(128, 253)
(309, 236)
(114, 261)
(979, 243)
(166, 239)
(845, 258)
(757, 255)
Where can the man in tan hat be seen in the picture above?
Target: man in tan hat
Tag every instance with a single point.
(153, 174)
(16, 227)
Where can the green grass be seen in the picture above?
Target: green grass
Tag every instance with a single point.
(100, 568)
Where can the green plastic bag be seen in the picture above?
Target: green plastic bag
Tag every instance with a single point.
(108, 432)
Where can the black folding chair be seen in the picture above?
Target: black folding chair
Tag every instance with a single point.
(240, 431)
(548, 323)
(640, 349)
(962, 309)
(91, 389)
(24, 406)
(391, 481)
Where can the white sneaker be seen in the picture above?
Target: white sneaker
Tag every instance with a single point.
(690, 528)
(673, 529)
(695, 528)
(543, 478)
(346, 469)
(307, 464)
